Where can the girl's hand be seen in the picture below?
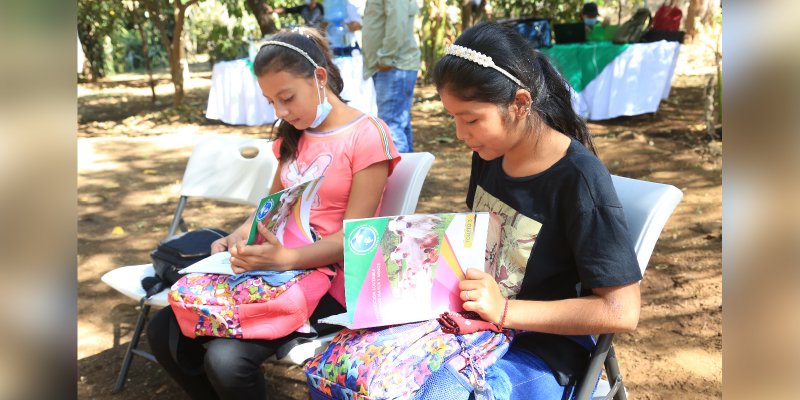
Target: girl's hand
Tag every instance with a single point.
(219, 245)
(482, 295)
(223, 244)
(269, 255)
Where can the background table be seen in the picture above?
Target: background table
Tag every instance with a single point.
(611, 80)
(235, 97)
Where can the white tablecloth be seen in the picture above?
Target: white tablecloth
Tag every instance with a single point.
(359, 92)
(634, 83)
(235, 97)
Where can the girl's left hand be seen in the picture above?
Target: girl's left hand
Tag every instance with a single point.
(269, 255)
(481, 294)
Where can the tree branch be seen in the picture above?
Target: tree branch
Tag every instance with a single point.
(155, 16)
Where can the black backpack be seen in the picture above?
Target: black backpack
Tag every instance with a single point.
(633, 29)
(176, 253)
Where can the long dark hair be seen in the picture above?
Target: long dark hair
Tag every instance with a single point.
(551, 100)
(271, 58)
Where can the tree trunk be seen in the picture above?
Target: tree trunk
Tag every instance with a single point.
(710, 108)
(470, 14)
(425, 43)
(138, 19)
(147, 65)
(176, 54)
(265, 22)
(466, 14)
(92, 50)
(174, 48)
(695, 16)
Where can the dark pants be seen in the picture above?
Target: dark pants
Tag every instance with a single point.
(219, 368)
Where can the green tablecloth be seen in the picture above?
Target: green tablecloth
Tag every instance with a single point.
(580, 63)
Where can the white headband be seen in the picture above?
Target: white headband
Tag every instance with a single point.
(293, 47)
(478, 58)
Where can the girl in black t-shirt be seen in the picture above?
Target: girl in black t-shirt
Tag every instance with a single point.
(566, 268)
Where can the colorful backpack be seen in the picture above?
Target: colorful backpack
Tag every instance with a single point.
(394, 362)
(633, 29)
(206, 305)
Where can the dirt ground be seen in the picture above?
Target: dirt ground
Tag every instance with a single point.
(131, 155)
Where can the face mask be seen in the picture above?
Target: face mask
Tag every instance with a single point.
(323, 108)
(590, 21)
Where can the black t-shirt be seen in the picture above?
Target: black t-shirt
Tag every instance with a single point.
(561, 227)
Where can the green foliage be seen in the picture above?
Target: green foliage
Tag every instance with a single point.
(221, 29)
(226, 44)
(96, 21)
(128, 54)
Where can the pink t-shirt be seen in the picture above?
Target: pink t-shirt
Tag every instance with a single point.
(337, 155)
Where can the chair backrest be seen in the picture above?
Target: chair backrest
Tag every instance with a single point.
(647, 206)
(230, 168)
(403, 186)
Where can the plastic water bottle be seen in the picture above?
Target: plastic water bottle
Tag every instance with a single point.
(337, 35)
(335, 11)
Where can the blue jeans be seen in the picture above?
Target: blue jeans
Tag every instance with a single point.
(394, 92)
(518, 375)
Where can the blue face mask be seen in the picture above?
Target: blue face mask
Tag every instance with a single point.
(323, 108)
(590, 21)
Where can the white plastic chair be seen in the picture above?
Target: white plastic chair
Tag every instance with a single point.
(647, 207)
(399, 198)
(221, 168)
(404, 185)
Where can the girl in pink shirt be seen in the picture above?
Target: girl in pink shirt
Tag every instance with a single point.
(318, 135)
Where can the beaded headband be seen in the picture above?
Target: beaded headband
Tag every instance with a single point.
(293, 47)
(480, 59)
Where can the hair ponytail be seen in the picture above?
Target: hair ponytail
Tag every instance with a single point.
(278, 58)
(553, 103)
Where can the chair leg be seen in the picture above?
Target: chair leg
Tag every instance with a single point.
(585, 387)
(137, 333)
(177, 220)
(614, 376)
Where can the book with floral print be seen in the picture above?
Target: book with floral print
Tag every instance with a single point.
(406, 268)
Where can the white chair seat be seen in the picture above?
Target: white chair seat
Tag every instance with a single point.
(121, 279)
(301, 353)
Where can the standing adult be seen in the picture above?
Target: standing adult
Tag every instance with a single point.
(392, 59)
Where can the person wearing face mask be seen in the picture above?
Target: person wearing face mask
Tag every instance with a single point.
(590, 15)
(318, 135)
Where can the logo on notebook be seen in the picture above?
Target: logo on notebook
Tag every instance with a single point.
(262, 213)
(364, 240)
